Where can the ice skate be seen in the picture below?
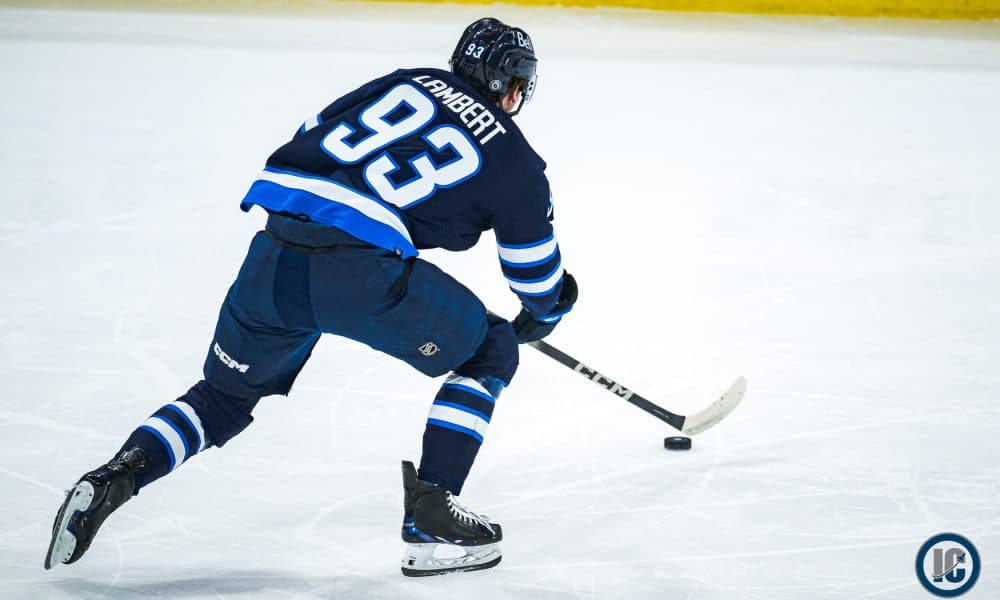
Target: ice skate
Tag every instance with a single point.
(441, 535)
(95, 496)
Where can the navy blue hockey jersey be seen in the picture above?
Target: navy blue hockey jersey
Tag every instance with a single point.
(418, 159)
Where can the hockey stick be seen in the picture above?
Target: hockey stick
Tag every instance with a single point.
(690, 424)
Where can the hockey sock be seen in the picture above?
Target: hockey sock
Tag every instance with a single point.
(455, 428)
(169, 437)
(202, 417)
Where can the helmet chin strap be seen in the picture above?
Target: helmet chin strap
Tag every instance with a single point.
(527, 91)
(524, 98)
(517, 109)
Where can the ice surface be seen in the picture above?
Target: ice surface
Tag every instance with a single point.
(812, 203)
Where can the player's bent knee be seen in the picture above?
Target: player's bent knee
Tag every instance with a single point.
(496, 357)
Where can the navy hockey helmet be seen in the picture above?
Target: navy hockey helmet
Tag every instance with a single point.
(495, 57)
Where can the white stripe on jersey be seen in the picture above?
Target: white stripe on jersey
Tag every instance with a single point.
(310, 123)
(529, 254)
(341, 195)
(538, 288)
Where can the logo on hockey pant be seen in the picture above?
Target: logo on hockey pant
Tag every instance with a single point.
(429, 349)
(229, 361)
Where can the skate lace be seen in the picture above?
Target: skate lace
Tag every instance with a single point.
(467, 516)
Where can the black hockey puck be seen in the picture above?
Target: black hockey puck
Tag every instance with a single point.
(677, 442)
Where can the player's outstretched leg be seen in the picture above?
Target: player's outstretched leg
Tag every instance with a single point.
(441, 535)
(201, 418)
(94, 497)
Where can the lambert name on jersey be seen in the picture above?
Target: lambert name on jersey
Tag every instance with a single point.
(476, 117)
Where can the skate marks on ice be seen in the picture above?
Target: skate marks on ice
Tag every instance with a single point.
(229, 583)
(54, 491)
(276, 583)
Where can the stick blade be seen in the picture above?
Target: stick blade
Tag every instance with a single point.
(718, 410)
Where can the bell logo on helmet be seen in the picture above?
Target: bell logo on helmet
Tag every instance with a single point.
(524, 41)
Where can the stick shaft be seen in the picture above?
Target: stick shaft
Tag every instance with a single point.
(674, 420)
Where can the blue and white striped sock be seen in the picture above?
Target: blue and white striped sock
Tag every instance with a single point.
(455, 429)
(173, 434)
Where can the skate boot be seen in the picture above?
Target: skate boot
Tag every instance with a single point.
(98, 494)
(441, 535)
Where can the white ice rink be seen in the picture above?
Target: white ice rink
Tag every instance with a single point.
(813, 203)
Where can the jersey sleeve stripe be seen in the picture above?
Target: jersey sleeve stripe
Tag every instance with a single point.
(537, 287)
(531, 271)
(531, 263)
(528, 254)
(310, 123)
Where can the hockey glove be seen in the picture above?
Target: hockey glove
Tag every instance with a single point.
(528, 329)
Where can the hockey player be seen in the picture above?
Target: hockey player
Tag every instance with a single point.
(418, 158)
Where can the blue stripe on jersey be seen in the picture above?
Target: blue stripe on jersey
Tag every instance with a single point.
(540, 286)
(531, 272)
(326, 201)
(540, 306)
(527, 246)
(534, 272)
(525, 265)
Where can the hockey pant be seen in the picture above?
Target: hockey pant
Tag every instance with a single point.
(300, 280)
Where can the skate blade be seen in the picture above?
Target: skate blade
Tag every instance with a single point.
(63, 542)
(419, 559)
